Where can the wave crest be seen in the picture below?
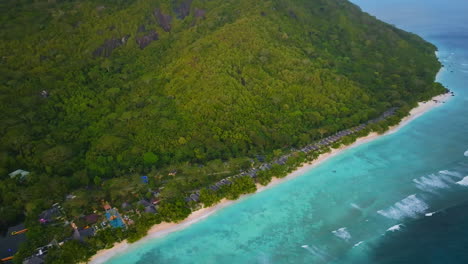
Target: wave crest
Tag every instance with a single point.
(464, 181)
(432, 182)
(411, 207)
(358, 244)
(342, 233)
(395, 228)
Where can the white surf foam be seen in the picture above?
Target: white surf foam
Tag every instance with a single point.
(395, 228)
(432, 182)
(315, 251)
(356, 206)
(411, 206)
(466, 153)
(450, 173)
(448, 178)
(342, 233)
(464, 181)
(358, 244)
(430, 214)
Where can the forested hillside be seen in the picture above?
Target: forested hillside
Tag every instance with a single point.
(97, 90)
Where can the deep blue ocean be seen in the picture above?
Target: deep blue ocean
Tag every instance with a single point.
(402, 198)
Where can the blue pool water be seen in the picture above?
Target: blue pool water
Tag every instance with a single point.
(398, 199)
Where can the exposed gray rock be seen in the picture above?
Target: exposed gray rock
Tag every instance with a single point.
(163, 20)
(105, 50)
(183, 9)
(144, 41)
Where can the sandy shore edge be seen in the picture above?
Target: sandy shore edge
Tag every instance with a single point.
(165, 228)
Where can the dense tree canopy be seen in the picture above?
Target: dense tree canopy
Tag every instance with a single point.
(93, 90)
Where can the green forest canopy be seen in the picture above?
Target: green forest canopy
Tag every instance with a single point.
(104, 89)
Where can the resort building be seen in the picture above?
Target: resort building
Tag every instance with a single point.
(19, 174)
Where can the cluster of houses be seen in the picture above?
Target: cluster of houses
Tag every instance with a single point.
(336, 137)
(93, 223)
(195, 197)
(17, 235)
(88, 225)
(54, 214)
(111, 218)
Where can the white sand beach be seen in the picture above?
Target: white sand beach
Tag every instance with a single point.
(165, 228)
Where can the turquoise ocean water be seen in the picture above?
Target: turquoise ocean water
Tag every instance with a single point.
(398, 199)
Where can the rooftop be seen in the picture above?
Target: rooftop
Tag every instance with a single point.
(83, 233)
(49, 215)
(92, 218)
(21, 173)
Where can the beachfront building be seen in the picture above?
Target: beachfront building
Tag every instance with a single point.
(149, 207)
(91, 219)
(80, 235)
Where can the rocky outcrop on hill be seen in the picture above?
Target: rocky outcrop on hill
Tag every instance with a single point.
(144, 41)
(105, 50)
(163, 20)
(183, 9)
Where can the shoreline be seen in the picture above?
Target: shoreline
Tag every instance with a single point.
(165, 228)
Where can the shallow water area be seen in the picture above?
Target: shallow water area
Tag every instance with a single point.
(360, 206)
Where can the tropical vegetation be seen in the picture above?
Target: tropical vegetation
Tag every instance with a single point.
(95, 94)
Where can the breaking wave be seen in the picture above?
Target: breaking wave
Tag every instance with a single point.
(432, 182)
(411, 206)
(316, 251)
(342, 233)
(450, 173)
(358, 244)
(395, 228)
(463, 182)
